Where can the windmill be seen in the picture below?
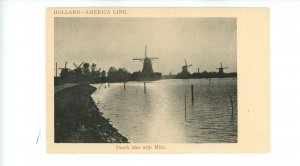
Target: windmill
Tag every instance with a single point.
(65, 68)
(221, 69)
(78, 68)
(64, 71)
(185, 68)
(147, 62)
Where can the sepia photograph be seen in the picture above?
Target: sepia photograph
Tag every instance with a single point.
(155, 80)
(145, 80)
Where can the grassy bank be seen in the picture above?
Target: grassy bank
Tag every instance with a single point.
(78, 119)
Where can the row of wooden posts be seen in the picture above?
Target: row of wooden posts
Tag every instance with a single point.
(124, 85)
(192, 97)
(145, 88)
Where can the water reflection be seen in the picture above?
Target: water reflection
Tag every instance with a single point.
(159, 115)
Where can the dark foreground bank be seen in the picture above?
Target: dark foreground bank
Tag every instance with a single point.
(78, 119)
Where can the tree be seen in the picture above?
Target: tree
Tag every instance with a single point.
(86, 68)
(111, 74)
(103, 76)
(93, 67)
(103, 73)
(120, 75)
(123, 75)
(111, 70)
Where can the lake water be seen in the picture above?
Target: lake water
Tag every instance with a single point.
(158, 116)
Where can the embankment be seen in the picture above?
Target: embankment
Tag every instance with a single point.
(78, 119)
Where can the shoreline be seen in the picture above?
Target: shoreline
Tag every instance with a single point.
(77, 119)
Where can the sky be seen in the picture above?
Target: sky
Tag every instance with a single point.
(203, 42)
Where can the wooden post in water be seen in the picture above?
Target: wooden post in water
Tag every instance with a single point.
(145, 88)
(184, 106)
(124, 86)
(108, 84)
(192, 89)
(231, 105)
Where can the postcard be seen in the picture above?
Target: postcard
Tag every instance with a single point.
(158, 80)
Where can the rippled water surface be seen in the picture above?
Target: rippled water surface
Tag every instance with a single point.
(158, 116)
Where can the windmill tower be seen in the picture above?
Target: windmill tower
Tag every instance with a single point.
(221, 69)
(64, 71)
(147, 62)
(185, 68)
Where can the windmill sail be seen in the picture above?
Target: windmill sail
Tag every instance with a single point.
(147, 71)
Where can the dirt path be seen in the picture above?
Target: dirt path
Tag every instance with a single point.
(63, 86)
(78, 119)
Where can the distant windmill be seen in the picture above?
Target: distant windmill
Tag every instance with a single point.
(147, 62)
(65, 68)
(221, 69)
(78, 68)
(64, 71)
(185, 68)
